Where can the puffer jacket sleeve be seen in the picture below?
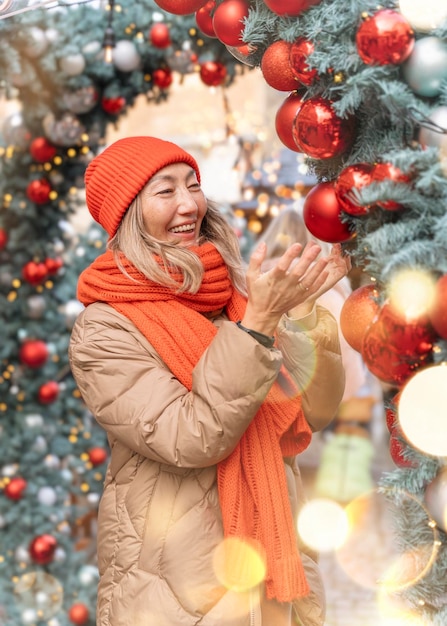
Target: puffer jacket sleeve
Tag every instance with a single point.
(138, 401)
(312, 355)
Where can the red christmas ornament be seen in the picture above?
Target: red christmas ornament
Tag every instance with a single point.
(33, 353)
(38, 191)
(385, 38)
(394, 347)
(204, 19)
(159, 35)
(438, 311)
(78, 614)
(276, 68)
(387, 171)
(162, 77)
(289, 7)
(397, 452)
(15, 488)
(42, 150)
(352, 177)
(322, 214)
(228, 21)
(213, 73)
(180, 7)
(113, 106)
(97, 456)
(285, 119)
(42, 549)
(48, 392)
(357, 314)
(34, 273)
(319, 132)
(299, 51)
(53, 265)
(391, 418)
(3, 238)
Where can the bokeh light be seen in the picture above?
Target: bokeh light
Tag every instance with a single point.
(39, 592)
(422, 410)
(239, 565)
(370, 556)
(411, 292)
(424, 16)
(322, 524)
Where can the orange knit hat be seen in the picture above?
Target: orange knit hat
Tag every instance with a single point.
(119, 173)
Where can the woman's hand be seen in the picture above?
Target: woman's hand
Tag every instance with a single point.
(292, 285)
(338, 266)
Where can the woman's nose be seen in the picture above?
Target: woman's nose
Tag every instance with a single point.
(186, 201)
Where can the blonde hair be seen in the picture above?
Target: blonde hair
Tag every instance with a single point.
(134, 243)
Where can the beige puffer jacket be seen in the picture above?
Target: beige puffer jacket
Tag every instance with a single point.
(159, 517)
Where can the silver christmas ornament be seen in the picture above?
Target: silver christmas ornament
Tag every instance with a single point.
(73, 64)
(125, 56)
(426, 68)
(434, 132)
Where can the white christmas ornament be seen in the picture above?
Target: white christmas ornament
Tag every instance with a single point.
(37, 42)
(73, 64)
(125, 56)
(424, 16)
(47, 496)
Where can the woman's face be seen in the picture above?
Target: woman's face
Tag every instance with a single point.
(174, 205)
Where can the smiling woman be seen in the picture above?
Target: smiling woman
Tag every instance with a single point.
(203, 376)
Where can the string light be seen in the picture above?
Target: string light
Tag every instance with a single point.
(109, 35)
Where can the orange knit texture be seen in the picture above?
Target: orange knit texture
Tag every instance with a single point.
(251, 481)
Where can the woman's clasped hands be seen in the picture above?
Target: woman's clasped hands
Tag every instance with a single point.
(292, 285)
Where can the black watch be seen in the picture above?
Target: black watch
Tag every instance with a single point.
(264, 340)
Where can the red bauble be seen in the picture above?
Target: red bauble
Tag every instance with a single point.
(42, 150)
(289, 7)
(319, 132)
(394, 347)
(299, 51)
(162, 77)
(438, 311)
(33, 353)
(113, 106)
(228, 21)
(15, 488)
(180, 7)
(34, 273)
(397, 452)
(213, 73)
(48, 392)
(159, 35)
(53, 265)
(357, 313)
(3, 238)
(78, 614)
(42, 549)
(352, 177)
(204, 19)
(97, 456)
(276, 68)
(322, 214)
(285, 119)
(38, 191)
(387, 171)
(385, 38)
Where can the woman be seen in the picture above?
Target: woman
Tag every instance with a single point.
(204, 380)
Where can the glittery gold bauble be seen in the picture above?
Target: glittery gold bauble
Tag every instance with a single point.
(357, 313)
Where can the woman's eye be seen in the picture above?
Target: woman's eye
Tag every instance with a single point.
(195, 187)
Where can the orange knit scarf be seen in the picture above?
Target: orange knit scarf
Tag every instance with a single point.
(251, 480)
